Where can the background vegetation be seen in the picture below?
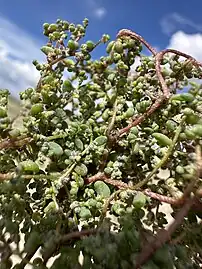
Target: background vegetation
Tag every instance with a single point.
(79, 172)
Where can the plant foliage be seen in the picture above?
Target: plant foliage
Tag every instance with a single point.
(82, 174)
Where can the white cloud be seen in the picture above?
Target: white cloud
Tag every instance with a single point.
(187, 43)
(100, 12)
(175, 21)
(17, 50)
(96, 9)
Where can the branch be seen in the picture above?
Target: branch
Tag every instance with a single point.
(164, 159)
(64, 239)
(163, 236)
(14, 143)
(197, 206)
(126, 32)
(101, 176)
(10, 176)
(142, 117)
(158, 58)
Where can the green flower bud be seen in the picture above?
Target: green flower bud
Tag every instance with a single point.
(118, 46)
(139, 200)
(105, 38)
(52, 27)
(105, 114)
(110, 46)
(90, 45)
(69, 62)
(36, 109)
(134, 130)
(118, 208)
(190, 134)
(197, 130)
(45, 26)
(81, 170)
(192, 119)
(72, 27)
(179, 169)
(171, 125)
(85, 22)
(73, 45)
(67, 86)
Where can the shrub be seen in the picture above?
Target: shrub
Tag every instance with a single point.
(82, 174)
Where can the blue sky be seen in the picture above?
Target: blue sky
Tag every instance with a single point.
(167, 23)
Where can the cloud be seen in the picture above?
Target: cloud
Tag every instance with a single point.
(100, 12)
(187, 43)
(174, 21)
(17, 50)
(96, 9)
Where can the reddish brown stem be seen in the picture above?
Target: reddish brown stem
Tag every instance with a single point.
(77, 235)
(197, 206)
(126, 32)
(101, 176)
(141, 118)
(158, 58)
(14, 143)
(163, 236)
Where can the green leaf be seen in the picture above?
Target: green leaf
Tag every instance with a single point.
(54, 149)
(102, 189)
(197, 130)
(3, 112)
(101, 140)
(50, 207)
(33, 242)
(188, 97)
(29, 166)
(162, 139)
(79, 144)
(84, 213)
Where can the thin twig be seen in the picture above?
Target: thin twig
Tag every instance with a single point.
(62, 239)
(101, 176)
(14, 143)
